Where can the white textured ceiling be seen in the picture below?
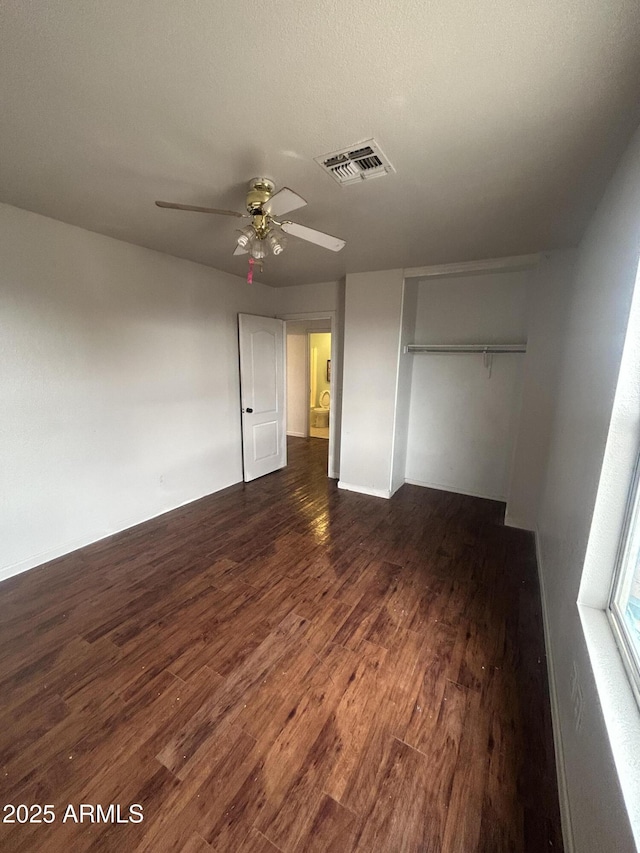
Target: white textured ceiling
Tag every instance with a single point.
(503, 119)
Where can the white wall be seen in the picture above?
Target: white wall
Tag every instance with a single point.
(463, 422)
(307, 298)
(372, 328)
(605, 273)
(548, 302)
(119, 385)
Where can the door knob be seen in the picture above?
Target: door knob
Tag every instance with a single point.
(249, 411)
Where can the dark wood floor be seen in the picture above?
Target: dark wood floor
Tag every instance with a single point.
(285, 667)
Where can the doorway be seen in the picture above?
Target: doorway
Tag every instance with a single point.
(311, 343)
(319, 348)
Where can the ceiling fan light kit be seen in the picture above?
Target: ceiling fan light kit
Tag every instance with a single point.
(244, 237)
(266, 233)
(278, 242)
(258, 250)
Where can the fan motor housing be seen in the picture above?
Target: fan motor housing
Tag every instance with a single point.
(260, 191)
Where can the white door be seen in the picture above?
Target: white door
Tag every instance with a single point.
(262, 391)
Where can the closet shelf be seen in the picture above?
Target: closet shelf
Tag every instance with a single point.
(489, 349)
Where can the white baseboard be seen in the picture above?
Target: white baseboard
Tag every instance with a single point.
(363, 490)
(64, 548)
(61, 550)
(394, 488)
(298, 434)
(455, 490)
(512, 521)
(563, 790)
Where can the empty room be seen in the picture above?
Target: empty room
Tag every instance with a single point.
(320, 426)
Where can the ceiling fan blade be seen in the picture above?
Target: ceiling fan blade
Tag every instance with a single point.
(284, 201)
(240, 251)
(313, 236)
(174, 206)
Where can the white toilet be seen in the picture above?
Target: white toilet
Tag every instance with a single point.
(321, 412)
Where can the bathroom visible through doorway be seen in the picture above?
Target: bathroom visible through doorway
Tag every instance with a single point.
(311, 413)
(319, 344)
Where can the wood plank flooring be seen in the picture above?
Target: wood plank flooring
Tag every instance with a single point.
(284, 667)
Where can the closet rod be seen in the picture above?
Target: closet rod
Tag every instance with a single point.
(482, 348)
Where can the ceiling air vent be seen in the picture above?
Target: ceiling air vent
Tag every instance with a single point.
(356, 163)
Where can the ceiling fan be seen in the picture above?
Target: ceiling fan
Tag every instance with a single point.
(266, 233)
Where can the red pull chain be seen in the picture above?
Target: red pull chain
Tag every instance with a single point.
(250, 273)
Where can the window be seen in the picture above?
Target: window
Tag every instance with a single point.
(624, 606)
